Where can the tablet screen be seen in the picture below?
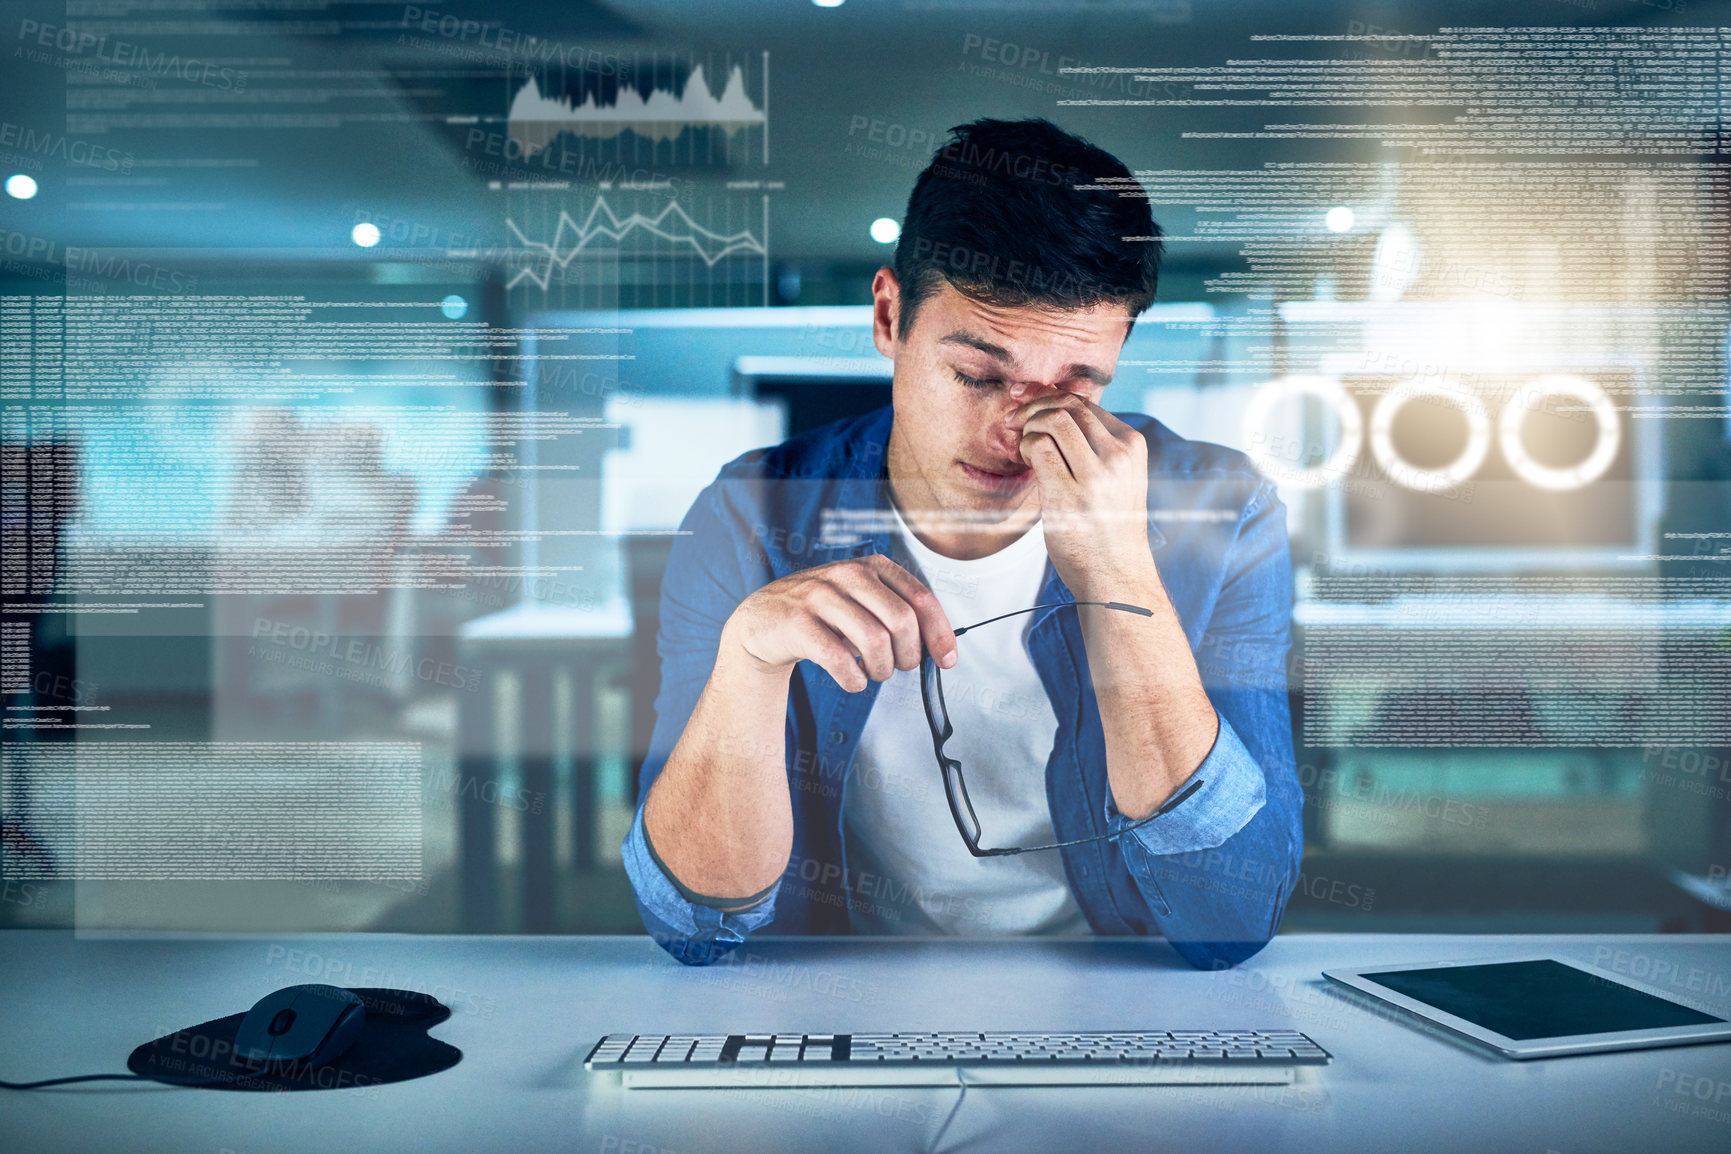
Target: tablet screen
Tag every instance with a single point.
(1543, 999)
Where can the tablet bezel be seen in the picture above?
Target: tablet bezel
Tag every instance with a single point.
(1362, 979)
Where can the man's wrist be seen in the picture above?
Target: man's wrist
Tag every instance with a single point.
(1117, 578)
(734, 662)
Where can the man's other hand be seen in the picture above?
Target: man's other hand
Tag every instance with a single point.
(857, 618)
(1092, 471)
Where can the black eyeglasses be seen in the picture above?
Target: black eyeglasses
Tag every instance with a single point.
(956, 789)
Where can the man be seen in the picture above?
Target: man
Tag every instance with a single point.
(810, 615)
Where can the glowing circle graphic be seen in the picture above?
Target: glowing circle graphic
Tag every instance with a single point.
(1330, 393)
(1514, 415)
(1403, 472)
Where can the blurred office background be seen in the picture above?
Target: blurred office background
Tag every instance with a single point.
(358, 365)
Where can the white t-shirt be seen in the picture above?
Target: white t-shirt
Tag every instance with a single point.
(909, 871)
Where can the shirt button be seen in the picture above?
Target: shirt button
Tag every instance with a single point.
(836, 737)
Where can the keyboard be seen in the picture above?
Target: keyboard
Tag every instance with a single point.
(1135, 1057)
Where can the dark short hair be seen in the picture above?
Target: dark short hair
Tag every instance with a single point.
(1018, 212)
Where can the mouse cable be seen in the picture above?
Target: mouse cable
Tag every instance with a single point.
(46, 1082)
(962, 1081)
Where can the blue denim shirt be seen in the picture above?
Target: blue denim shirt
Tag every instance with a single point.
(1212, 875)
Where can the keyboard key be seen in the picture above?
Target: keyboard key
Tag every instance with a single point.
(675, 1050)
(643, 1049)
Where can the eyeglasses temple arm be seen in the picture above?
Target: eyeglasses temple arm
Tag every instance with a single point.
(1137, 609)
(1172, 803)
(1175, 800)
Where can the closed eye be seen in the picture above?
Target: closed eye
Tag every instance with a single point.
(976, 382)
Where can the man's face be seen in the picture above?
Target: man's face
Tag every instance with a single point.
(963, 370)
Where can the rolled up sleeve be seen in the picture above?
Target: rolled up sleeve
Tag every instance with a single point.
(1218, 870)
(696, 934)
(712, 566)
(1231, 794)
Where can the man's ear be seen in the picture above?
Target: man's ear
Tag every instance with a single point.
(886, 312)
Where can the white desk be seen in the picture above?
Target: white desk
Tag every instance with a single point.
(528, 1009)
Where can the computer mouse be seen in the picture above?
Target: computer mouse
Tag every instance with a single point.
(315, 1024)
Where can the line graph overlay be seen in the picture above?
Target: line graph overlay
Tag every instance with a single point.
(710, 246)
(630, 244)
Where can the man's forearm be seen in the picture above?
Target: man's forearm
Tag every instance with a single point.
(1159, 723)
(719, 816)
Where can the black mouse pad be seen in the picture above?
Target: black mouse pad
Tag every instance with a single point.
(393, 1047)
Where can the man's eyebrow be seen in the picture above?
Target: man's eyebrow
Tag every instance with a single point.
(999, 352)
(1089, 373)
(985, 346)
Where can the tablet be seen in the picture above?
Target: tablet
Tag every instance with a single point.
(1538, 1007)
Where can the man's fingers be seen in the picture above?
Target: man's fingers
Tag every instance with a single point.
(1097, 425)
(824, 647)
(1100, 427)
(1041, 451)
(859, 626)
(897, 615)
(1081, 457)
(936, 631)
(1109, 423)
